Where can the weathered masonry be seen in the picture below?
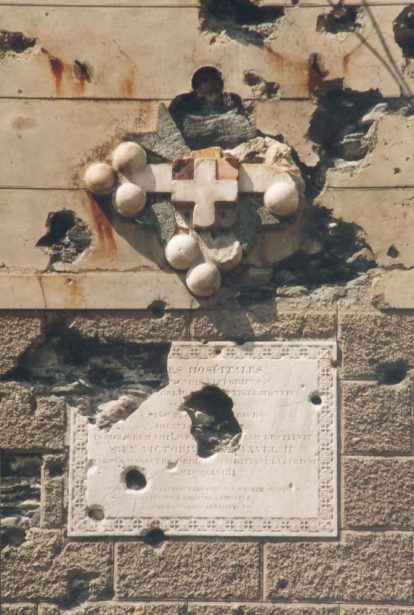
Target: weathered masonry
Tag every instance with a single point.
(206, 307)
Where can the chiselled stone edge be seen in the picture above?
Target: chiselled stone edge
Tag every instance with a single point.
(325, 525)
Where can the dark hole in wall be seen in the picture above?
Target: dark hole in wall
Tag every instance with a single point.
(89, 373)
(242, 20)
(260, 87)
(213, 424)
(403, 27)
(392, 252)
(393, 372)
(15, 42)
(155, 538)
(19, 495)
(135, 479)
(340, 19)
(208, 116)
(67, 237)
(78, 585)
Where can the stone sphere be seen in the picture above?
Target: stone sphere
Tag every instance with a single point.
(129, 200)
(100, 178)
(281, 198)
(129, 158)
(204, 280)
(182, 252)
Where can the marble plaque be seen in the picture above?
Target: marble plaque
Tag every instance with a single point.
(269, 469)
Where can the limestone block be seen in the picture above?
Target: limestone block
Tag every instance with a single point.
(187, 570)
(134, 327)
(260, 609)
(44, 568)
(117, 608)
(372, 210)
(376, 418)
(29, 423)
(394, 289)
(379, 493)
(17, 333)
(371, 340)
(95, 290)
(142, 68)
(262, 322)
(376, 610)
(49, 143)
(341, 571)
(52, 492)
(115, 244)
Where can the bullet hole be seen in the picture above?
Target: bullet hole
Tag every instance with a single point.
(315, 399)
(213, 424)
(260, 87)
(96, 513)
(12, 536)
(282, 584)
(392, 252)
(66, 239)
(157, 308)
(15, 42)
(242, 20)
(155, 538)
(82, 71)
(393, 372)
(403, 27)
(340, 19)
(208, 116)
(55, 468)
(134, 479)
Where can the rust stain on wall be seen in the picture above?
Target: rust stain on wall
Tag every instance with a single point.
(102, 224)
(128, 83)
(56, 67)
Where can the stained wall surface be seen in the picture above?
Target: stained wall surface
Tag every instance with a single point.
(83, 304)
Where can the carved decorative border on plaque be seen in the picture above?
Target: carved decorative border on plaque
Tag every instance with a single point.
(324, 525)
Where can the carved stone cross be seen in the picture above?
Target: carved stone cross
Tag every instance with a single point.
(205, 190)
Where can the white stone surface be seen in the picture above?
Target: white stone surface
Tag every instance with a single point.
(394, 290)
(204, 191)
(281, 481)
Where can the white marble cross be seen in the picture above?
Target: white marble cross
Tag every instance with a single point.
(205, 190)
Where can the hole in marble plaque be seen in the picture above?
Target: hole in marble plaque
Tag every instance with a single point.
(339, 19)
(155, 538)
(134, 479)
(391, 373)
(282, 583)
(96, 513)
(392, 252)
(213, 424)
(67, 237)
(315, 399)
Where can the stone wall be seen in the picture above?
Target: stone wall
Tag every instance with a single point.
(335, 85)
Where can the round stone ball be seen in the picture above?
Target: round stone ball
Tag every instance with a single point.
(129, 158)
(100, 178)
(182, 252)
(204, 280)
(129, 200)
(281, 198)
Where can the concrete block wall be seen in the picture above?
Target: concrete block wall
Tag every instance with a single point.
(88, 73)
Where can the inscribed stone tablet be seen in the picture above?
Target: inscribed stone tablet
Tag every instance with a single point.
(241, 442)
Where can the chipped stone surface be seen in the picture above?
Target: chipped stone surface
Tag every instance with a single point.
(342, 571)
(163, 494)
(17, 333)
(184, 570)
(261, 609)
